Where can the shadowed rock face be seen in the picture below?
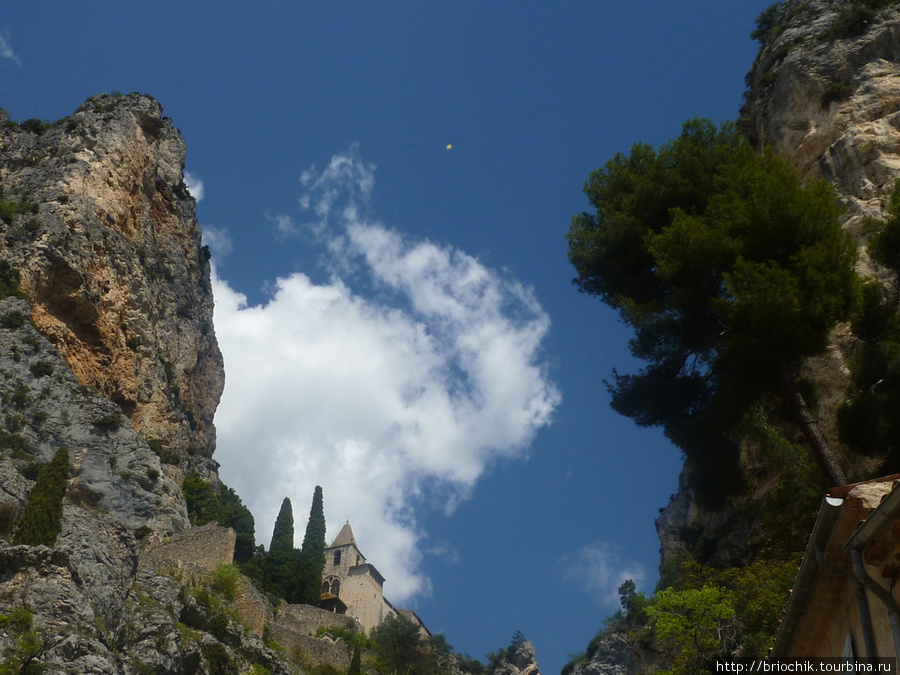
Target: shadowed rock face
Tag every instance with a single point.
(112, 264)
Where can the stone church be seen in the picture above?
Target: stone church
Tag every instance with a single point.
(354, 587)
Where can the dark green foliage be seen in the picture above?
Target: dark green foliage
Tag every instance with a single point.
(495, 659)
(206, 506)
(9, 514)
(766, 24)
(399, 646)
(28, 643)
(233, 514)
(41, 369)
(730, 273)
(165, 454)
(33, 469)
(356, 662)
(855, 17)
(42, 517)
(634, 604)
(8, 210)
(283, 532)
(836, 91)
(202, 502)
(218, 658)
(9, 280)
(867, 419)
(281, 566)
(13, 320)
(109, 422)
(312, 554)
(35, 126)
(12, 441)
(280, 571)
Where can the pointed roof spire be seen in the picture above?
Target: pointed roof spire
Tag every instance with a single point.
(345, 536)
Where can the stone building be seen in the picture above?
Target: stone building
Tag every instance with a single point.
(354, 587)
(845, 601)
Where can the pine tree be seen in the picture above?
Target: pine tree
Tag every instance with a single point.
(312, 555)
(233, 514)
(42, 517)
(731, 273)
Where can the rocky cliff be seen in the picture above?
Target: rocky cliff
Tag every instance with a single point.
(111, 261)
(107, 349)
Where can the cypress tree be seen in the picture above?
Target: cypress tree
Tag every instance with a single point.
(42, 517)
(356, 662)
(281, 565)
(312, 555)
(283, 533)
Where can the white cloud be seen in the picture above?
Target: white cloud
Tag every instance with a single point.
(194, 185)
(600, 569)
(6, 50)
(219, 241)
(392, 405)
(284, 225)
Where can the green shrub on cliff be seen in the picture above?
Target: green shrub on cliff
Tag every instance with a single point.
(42, 517)
(9, 280)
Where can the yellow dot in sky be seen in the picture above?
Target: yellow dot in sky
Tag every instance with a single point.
(449, 145)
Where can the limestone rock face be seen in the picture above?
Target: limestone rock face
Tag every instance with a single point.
(521, 662)
(111, 261)
(619, 654)
(827, 99)
(110, 353)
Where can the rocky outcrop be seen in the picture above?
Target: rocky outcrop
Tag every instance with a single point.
(825, 95)
(109, 344)
(111, 260)
(522, 661)
(619, 653)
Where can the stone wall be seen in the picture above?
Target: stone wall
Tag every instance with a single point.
(294, 627)
(207, 547)
(252, 606)
(321, 651)
(306, 620)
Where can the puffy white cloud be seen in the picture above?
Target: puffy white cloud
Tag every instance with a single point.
(600, 569)
(395, 395)
(219, 241)
(6, 50)
(194, 185)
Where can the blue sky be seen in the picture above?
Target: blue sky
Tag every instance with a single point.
(397, 317)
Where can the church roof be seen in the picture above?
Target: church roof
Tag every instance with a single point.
(345, 536)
